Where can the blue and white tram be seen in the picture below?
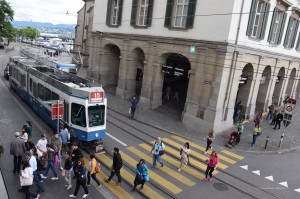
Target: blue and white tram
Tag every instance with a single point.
(85, 104)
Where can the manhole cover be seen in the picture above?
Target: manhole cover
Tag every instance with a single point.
(220, 186)
(5, 121)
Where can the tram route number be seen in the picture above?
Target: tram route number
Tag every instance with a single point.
(57, 112)
(96, 96)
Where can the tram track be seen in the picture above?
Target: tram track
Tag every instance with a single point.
(192, 156)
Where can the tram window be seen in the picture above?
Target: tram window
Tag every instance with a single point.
(23, 80)
(47, 94)
(55, 96)
(30, 85)
(96, 115)
(34, 90)
(41, 91)
(78, 114)
(66, 112)
(17, 75)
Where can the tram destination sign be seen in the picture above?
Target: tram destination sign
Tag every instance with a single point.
(174, 71)
(96, 97)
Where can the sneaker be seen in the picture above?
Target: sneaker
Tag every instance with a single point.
(118, 184)
(88, 185)
(54, 178)
(41, 181)
(205, 152)
(69, 187)
(204, 179)
(162, 165)
(85, 195)
(98, 186)
(209, 179)
(185, 163)
(72, 196)
(179, 169)
(66, 185)
(37, 196)
(107, 181)
(42, 176)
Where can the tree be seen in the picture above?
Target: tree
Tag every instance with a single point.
(6, 16)
(30, 33)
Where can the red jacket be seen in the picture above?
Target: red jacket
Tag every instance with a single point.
(213, 161)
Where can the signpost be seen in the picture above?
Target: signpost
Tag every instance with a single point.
(57, 112)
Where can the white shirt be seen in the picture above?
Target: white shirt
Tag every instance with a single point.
(42, 145)
(26, 172)
(33, 163)
(185, 152)
(24, 137)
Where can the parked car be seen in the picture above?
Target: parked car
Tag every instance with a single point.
(6, 72)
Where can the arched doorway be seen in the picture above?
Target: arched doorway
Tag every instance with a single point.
(290, 83)
(109, 74)
(263, 89)
(242, 98)
(176, 81)
(136, 68)
(278, 85)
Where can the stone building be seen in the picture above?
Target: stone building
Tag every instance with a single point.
(198, 58)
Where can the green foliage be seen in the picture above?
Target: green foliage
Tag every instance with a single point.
(29, 33)
(6, 16)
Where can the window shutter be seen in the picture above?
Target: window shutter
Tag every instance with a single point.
(298, 42)
(264, 22)
(288, 31)
(120, 10)
(191, 14)
(272, 25)
(133, 13)
(281, 28)
(150, 13)
(295, 34)
(108, 13)
(169, 13)
(251, 17)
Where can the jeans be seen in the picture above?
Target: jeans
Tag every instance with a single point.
(17, 163)
(209, 170)
(37, 181)
(94, 178)
(208, 144)
(117, 172)
(28, 193)
(68, 177)
(254, 139)
(158, 158)
(50, 166)
(83, 184)
(270, 115)
(277, 123)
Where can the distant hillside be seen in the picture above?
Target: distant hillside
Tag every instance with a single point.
(22, 24)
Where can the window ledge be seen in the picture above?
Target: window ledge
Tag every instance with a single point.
(178, 29)
(254, 39)
(112, 26)
(140, 27)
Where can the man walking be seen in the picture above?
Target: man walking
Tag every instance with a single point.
(279, 118)
(17, 149)
(64, 136)
(57, 144)
(116, 167)
(271, 111)
(133, 107)
(256, 132)
(158, 151)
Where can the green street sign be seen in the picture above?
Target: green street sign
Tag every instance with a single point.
(192, 49)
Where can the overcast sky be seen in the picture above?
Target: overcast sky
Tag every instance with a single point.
(53, 11)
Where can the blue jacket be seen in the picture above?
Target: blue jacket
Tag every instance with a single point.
(143, 171)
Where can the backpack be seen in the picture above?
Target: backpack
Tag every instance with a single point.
(98, 167)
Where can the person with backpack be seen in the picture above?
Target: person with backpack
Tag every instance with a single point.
(211, 166)
(51, 158)
(158, 150)
(271, 111)
(80, 174)
(141, 176)
(209, 140)
(116, 167)
(256, 132)
(92, 171)
(184, 152)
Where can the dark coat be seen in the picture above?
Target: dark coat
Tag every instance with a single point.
(77, 154)
(117, 161)
(279, 117)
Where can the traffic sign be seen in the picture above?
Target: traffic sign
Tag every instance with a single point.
(57, 111)
(289, 109)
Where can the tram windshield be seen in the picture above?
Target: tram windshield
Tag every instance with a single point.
(78, 115)
(96, 115)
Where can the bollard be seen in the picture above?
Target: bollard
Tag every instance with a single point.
(267, 140)
(281, 140)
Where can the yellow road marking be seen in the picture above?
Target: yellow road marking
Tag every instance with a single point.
(118, 191)
(129, 177)
(233, 154)
(221, 157)
(192, 160)
(178, 146)
(166, 169)
(153, 176)
(176, 163)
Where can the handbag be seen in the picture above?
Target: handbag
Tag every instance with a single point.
(56, 161)
(98, 168)
(26, 181)
(63, 173)
(161, 153)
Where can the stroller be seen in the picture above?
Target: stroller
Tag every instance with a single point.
(232, 140)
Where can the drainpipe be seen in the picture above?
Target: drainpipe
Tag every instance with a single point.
(83, 26)
(234, 60)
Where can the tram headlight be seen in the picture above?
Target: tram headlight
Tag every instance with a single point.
(96, 135)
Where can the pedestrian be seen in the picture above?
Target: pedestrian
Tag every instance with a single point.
(258, 119)
(72, 139)
(42, 149)
(141, 176)
(158, 150)
(240, 130)
(133, 107)
(271, 111)
(17, 149)
(256, 132)
(26, 180)
(211, 166)
(92, 171)
(279, 118)
(29, 128)
(67, 172)
(80, 174)
(64, 136)
(238, 111)
(24, 137)
(36, 176)
(76, 154)
(116, 167)
(51, 158)
(274, 115)
(57, 146)
(184, 152)
(209, 140)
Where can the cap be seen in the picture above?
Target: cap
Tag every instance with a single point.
(17, 134)
(116, 149)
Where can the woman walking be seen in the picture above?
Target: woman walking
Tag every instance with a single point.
(209, 140)
(80, 174)
(141, 176)
(211, 166)
(26, 180)
(258, 119)
(51, 156)
(92, 171)
(184, 152)
(274, 116)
